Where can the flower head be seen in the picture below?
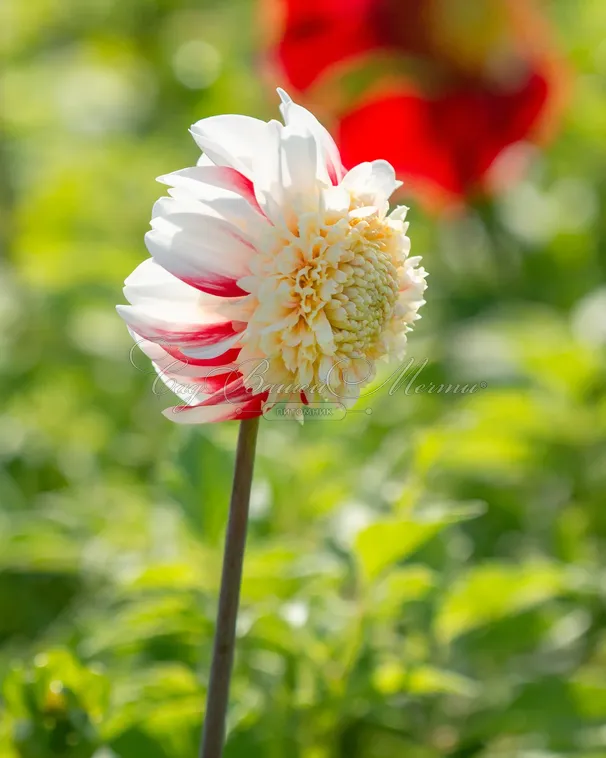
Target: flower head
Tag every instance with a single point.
(274, 273)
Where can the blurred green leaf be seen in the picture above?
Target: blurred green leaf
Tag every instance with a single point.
(493, 591)
(392, 677)
(386, 542)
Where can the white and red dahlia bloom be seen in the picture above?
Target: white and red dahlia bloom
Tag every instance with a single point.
(275, 274)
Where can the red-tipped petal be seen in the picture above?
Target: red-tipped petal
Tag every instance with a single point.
(175, 333)
(228, 357)
(231, 402)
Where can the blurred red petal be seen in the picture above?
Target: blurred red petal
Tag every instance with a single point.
(442, 145)
(318, 34)
(480, 124)
(410, 140)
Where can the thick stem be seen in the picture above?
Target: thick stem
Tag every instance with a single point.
(217, 698)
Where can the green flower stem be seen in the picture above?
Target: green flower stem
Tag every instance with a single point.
(217, 699)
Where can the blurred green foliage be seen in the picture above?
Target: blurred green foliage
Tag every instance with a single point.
(425, 579)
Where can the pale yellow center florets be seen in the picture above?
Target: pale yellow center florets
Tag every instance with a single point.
(365, 301)
(327, 300)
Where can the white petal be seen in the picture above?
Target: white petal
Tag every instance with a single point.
(267, 172)
(202, 250)
(231, 402)
(204, 160)
(149, 281)
(373, 182)
(399, 214)
(202, 181)
(180, 326)
(230, 140)
(329, 161)
(221, 215)
(300, 181)
(189, 393)
(224, 192)
(209, 414)
(212, 351)
(285, 174)
(336, 199)
(152, 287)
(166, 363)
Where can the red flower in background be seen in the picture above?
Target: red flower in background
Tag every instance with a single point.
(445, 86)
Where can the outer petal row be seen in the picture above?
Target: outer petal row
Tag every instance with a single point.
(192, 242)
(166, 311)
(233, 401)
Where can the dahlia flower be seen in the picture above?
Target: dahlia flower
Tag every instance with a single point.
(445, 85)
(274, 273)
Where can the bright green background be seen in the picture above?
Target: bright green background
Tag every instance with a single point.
(427, 580)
